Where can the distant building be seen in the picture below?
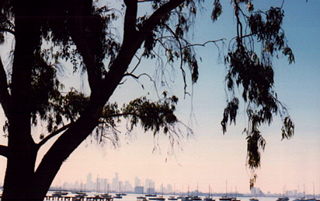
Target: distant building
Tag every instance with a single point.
(90, 183)
(127, 187)
(138, 189)
(137, 181)
(151, 190)
(115, 185)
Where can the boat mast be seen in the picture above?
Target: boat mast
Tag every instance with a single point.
(162, 189)
(226, 188)
(197, 189)
(97, 184)
(313, 190)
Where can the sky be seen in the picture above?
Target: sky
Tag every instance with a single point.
(208, 157)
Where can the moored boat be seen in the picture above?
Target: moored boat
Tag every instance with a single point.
(150, 195)
(225, 198)
(196, 198)
(59, 193)
(160, 198)
(283, 199)
(118, 196)
(141, 198)
(208, 199)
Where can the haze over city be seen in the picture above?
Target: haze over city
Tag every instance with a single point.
(148, 186)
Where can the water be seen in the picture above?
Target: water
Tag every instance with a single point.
(133, 197)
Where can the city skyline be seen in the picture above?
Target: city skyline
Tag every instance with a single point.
(148, 186)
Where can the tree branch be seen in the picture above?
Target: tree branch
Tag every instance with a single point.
(142, 1)
(155, 18)
(51, 135)
(4, 93)
(138, 76)
(181, 59)
(85, 32)
(205, 43)
(121, 115)
(4, 150)
(138, 63)
(130, 20)
(7, 30)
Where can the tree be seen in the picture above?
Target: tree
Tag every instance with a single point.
(80, 32)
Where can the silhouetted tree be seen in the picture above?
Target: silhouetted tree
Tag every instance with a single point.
(81, 32)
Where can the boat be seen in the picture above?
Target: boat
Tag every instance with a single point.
(118, 196)
(227, 198)
(283, 199)
(160, 198)
(172, 198)
(97, 196)
(186, 198)
(254, 199)
(209, 198)
(106, 196)
(150, 195)
(59, 193)
(80, 194)
(141, 198)
(195, 198)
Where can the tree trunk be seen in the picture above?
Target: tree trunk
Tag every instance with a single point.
(18, 184)
(22, 151)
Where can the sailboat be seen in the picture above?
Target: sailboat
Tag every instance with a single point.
(314, 197)
(173, 197)
(209, 198)
(119, 194)
(196, 197)
(254, 196)
(283, 199)
(158, 198)
(141, 198)
(149, 194)
(226, 197)
(188, 197)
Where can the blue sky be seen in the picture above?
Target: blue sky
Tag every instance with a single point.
(209, 157)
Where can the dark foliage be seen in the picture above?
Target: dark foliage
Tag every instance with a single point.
(249, 65)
